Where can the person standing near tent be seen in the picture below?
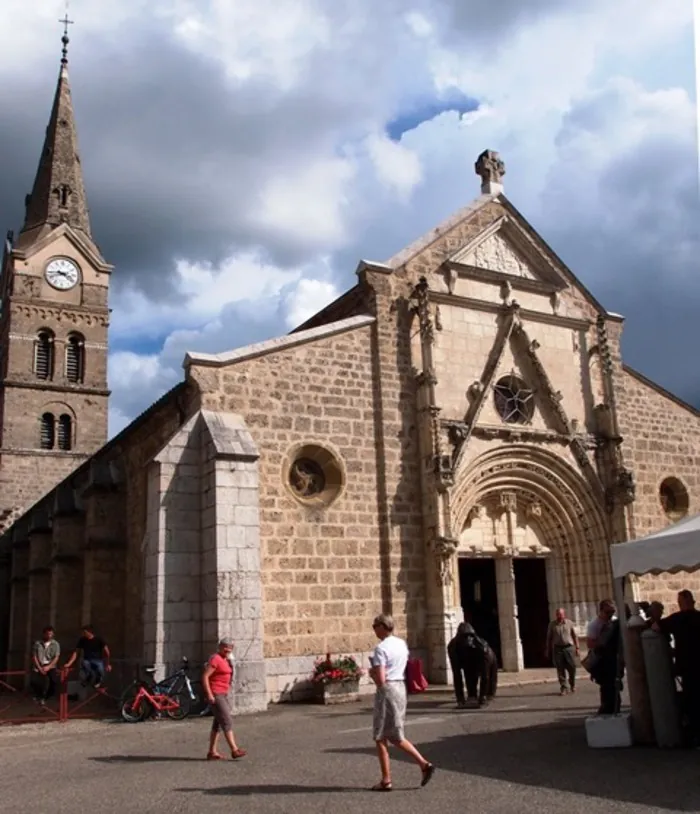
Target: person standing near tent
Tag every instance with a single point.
(603, 661)
(684, 626)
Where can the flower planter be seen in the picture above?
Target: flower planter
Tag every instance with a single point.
(338, 692)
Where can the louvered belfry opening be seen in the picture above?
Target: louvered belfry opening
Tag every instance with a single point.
(65, 433)
(75, 358)
(43, 355)
(48, 431)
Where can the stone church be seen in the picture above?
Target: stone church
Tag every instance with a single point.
(456, 433)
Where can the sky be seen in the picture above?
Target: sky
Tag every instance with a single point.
(242, 156)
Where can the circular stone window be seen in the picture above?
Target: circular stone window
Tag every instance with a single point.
(515, 401)
(314, 475)
(674, 498)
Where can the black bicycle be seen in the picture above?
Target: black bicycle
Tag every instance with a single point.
(176, 686)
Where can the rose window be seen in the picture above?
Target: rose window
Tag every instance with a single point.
(515, 401)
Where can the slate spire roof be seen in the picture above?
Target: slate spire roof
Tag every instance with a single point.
(58, 195)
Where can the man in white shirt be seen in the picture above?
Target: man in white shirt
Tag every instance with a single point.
(387, 670)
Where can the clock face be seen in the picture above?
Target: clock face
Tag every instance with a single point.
(62, 274)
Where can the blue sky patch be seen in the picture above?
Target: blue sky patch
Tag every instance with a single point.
(428, 109)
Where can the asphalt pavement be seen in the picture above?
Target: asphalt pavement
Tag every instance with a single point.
(525, 753)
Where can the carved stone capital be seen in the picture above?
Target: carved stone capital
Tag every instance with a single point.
(444, 549)
(508, 501)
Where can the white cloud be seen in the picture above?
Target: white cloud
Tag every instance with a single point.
(395, 166)
(307, 204)
(309, 297)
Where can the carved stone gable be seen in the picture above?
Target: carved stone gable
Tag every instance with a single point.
(496, 254)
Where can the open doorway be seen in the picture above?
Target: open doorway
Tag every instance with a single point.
(479, 600)
(533, 609)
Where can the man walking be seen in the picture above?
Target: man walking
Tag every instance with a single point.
(684, 626)
(562, 649)
(387, 670)
(45, 654)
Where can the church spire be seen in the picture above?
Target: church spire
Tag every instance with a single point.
(58, 194)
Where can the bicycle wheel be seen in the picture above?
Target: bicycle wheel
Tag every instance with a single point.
(183, 709)
(130, 713)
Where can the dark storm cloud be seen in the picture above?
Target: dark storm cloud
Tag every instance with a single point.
(637, 251)
(175, 157)
(485, 23)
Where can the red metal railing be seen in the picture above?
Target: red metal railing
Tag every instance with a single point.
(19, 706)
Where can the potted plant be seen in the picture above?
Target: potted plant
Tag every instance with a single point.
(336, 680)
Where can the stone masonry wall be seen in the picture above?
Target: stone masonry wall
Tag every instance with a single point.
(661, 440)
(324, 572)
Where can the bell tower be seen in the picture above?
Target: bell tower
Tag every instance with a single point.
(54, 320)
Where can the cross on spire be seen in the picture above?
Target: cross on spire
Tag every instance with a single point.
(64, 39)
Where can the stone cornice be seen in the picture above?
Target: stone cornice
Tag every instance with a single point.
(57, 311)
(278, 344)
(500, 277)
(44, 453)
(49, 387)
(526, 314)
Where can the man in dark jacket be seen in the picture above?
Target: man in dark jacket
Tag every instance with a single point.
(489, 677)
(684, 626)
(466, 654)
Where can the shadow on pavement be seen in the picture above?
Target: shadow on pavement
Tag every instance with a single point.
(244, 791)
(147, 759)
(555, 756)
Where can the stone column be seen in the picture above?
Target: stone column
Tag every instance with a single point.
(511, 647)
(555, 585)
(442, 617)
(39, 572)
(19, 647)
(231, 561)
(5, 605)
(105, 550)
(172, 560)
(68, 539)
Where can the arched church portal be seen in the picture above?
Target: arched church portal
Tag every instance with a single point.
(532, 538)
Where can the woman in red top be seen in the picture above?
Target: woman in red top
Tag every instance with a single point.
(216, 680)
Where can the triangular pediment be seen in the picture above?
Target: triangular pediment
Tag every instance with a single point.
(503, 250)
(84, 246)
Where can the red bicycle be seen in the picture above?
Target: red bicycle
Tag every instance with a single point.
(141, 699)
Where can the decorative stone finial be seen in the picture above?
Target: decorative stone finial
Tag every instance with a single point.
(65, 22)
(491, 168)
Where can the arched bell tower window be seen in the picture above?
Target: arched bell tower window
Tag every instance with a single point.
(75, 358)
(47, 431)
(44, 354)
(65, 433)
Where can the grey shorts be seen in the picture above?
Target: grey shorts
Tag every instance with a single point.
(389, 715)
(221, 709)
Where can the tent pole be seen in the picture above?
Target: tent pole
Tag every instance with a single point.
(635, 672)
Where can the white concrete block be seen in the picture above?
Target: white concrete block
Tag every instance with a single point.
(609, 731)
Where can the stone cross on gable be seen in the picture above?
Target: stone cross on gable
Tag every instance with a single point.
(491, 168)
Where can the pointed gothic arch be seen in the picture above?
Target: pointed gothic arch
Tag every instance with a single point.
(568, 514)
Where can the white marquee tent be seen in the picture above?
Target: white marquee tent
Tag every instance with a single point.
(675, 548)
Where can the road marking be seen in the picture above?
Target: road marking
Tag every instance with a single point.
(413, 721)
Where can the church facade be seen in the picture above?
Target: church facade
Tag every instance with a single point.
(456, 434)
